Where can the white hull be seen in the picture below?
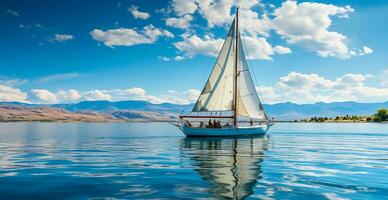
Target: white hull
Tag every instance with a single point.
(232, 131)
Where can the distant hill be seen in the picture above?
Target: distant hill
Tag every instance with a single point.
(146, 111)
(291, 111)
(22, 113)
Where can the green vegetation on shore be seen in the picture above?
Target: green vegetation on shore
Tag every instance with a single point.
(380, 116)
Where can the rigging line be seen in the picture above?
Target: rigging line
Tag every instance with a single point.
(254, 75)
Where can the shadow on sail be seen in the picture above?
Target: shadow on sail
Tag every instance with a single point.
(231, 165)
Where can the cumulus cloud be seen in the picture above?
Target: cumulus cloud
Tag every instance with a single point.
(63, 37)
(42, 96)
(306, 24)
(68, 96)
(253, 24)
(281, 50)
(259, 48)
(138, 14)
(216, 12)
(193, 45)
(255, 47)
(182, 7)
(181, 22)
(294, 87)
(137, 93)
(96, 95)
(129, 37)
(309, 88)
(9, 94)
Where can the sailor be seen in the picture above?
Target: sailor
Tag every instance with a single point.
(214, 123)
(210, 123)
(251, 122)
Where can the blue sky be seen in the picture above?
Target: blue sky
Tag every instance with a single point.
(163, 51)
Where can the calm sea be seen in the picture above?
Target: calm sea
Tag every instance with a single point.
(155, 161)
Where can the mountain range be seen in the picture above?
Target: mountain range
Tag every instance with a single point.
(146, 111)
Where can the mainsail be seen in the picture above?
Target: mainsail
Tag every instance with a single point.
(217, 95)
(230, 87)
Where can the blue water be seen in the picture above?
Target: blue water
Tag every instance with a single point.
(154, 160)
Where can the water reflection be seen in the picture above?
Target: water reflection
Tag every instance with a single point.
(231, 165)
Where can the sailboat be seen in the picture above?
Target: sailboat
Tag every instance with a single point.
(228, 104)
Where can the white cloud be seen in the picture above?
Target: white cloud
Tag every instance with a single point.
(193, 45)
(164, 58)
(384, 78)
(129, 37)
(182, 7)
(42, 96)
(281, 50)
(96, 95)
(216, 12)
(61, 96)
(12, 12)
(68, 95)
(192, 94)
(306, 24)
(257, 48)
(179, 58)
(254, 25)
(137, 93)
(9, 94)
(309, 88)
(138, 14)
(181, 22)
(56, 77)
(365, 50)
(63, 37)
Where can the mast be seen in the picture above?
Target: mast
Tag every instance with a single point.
(235, 73)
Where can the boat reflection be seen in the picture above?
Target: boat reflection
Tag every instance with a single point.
(231, 165)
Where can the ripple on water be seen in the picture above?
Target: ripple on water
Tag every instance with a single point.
(133, 161)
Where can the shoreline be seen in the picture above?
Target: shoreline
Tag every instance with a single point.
(135, 121)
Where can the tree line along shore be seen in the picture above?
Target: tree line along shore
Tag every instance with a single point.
(380, 116)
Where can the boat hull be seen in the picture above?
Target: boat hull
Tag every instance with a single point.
(221, 132)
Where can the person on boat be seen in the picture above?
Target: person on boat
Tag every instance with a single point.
(251, 122)
(214, 124)
(218, 124)
(209, 125)
(201, 124)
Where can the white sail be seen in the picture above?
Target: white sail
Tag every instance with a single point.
(248, 102)
(217, 95)
(219, 90)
